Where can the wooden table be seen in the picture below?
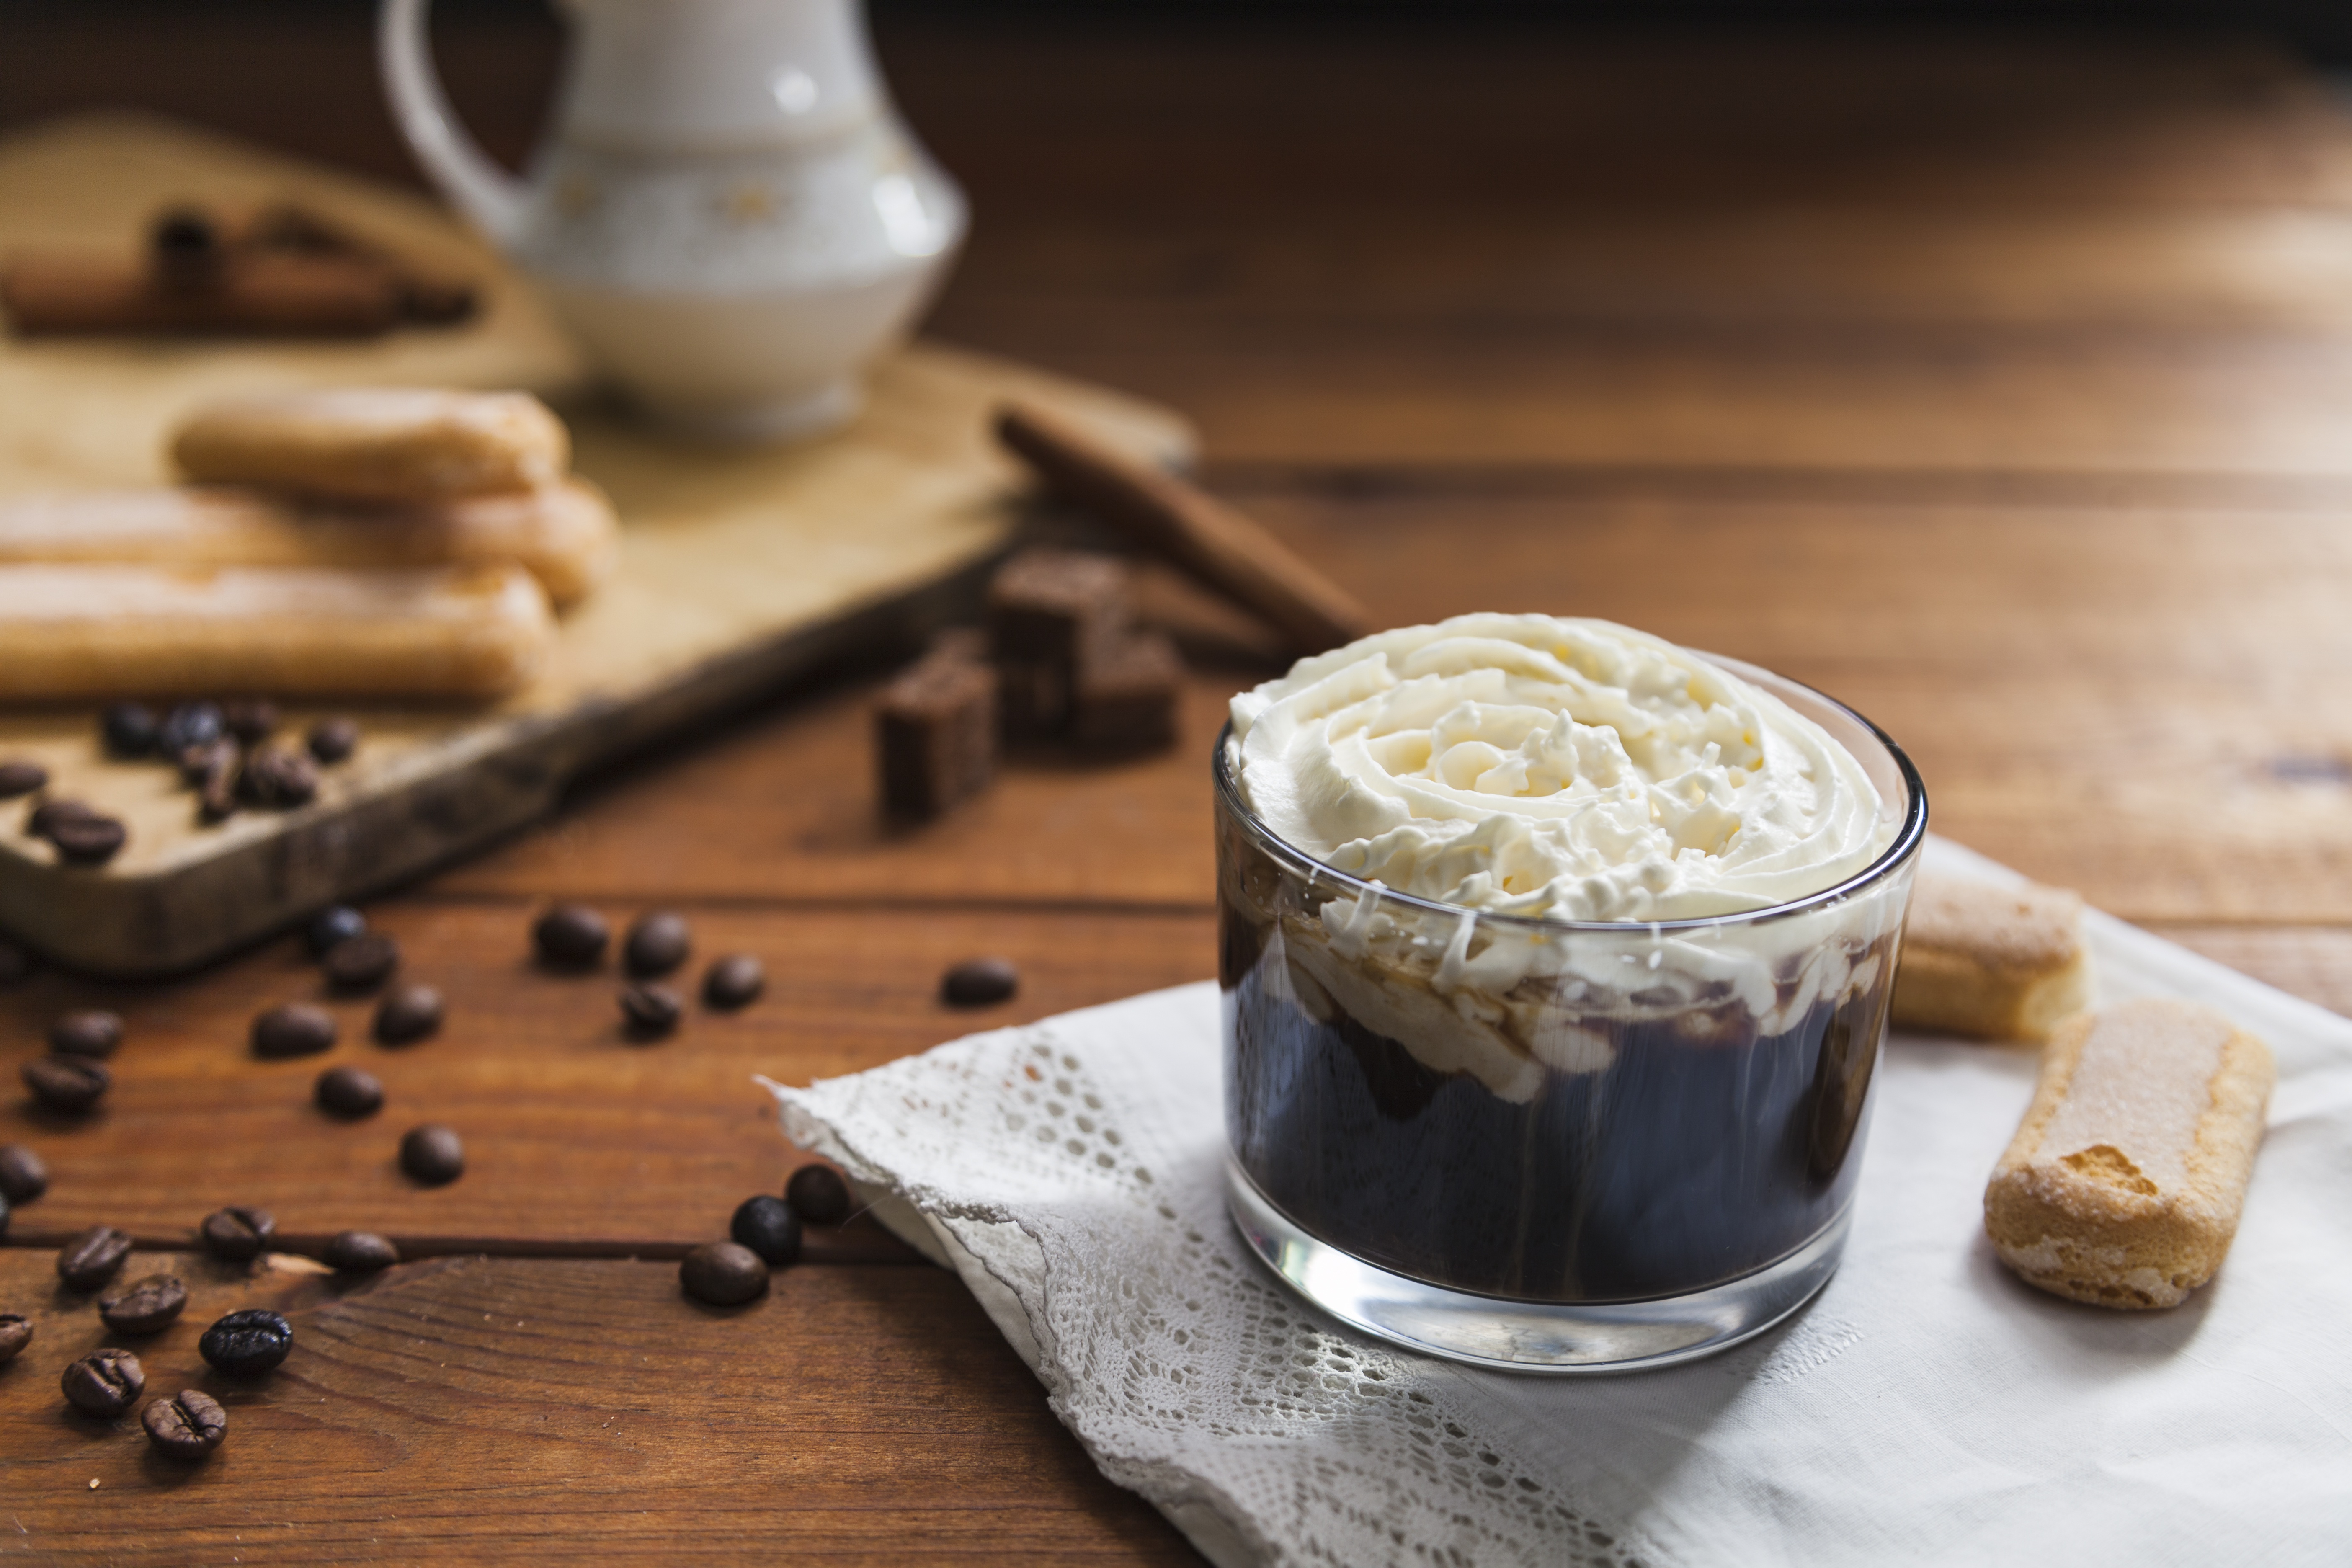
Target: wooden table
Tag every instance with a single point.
(2000, 386)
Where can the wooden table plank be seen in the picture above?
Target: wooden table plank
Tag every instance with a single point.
(573, 1133)
(477, 1408)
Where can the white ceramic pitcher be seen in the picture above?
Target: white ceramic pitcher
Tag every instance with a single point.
(729, 214)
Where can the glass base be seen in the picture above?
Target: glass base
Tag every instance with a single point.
(1530, 1336)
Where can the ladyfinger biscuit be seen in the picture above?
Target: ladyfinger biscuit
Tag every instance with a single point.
(399, 444)
(1998, 963)
(564, 533)
(2124, 1183)
(73, 631)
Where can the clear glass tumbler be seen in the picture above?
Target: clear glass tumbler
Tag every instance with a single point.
(1553, 1145)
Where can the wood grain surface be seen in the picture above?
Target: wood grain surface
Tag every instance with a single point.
(1996, 384)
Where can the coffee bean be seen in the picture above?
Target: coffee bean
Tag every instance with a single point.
(246, 1344)
(978, 981)
(24, 1174)
(818, 1195)
(15, 1333)
(657, 943)
(432, 1155)
(15, 962)
(72, 1084)
(44, 818)
(359, 1252)
(215, 770)
(89, 1259)
(188, 1426)
(735, 981)
(88, 840)
(5, 1209)
(332, 927)
(650, 1012)
(362, 963)
(105, 1381)
(199, 764)
(21, 778)
(348, 1091)
(147, 1307)
(410, 1014)
(722, 1274)
(571, 936)
(292, 1030)
(252, 721)
(189, 724)
(89, 1033)
(769, 1228)
(277, 778)
(129, 729)
(333, 741)
(237, 1232)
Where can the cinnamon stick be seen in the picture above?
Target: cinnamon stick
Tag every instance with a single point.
(1185, 525)
(266, 295)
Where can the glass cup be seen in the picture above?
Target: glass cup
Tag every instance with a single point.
(1553, 1145)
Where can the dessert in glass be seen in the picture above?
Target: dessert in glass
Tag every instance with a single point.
(1555, 962)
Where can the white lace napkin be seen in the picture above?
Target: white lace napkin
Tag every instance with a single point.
(1925, 1408)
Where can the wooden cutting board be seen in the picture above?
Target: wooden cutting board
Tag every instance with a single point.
(739, 569)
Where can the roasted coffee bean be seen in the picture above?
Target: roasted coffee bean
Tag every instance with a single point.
(333, 741)
(410, 1014)
(237, 1232)
(217, 770)
(359, 1252)
(735, 981)
(15, 1333)
(246, 1344)
(21, 778)
(188, 1426)
(5, 1210)
(277, 778)
(89, 1033)
(769, 1228)
(362, 963)
(657, 943)
(88, 840)
(147, 1307)
(432, 1155)
(15, 962)
(199, 764)
(72, 1084)
(571, 936)
(818, 1195)
(722, 1274)
(105, 1381)
(348, 1091)
(184, 249)
(129, 729)
(978, 981)
(332, 927)
(24, 1174)
(650, 1012)
(251, 722)
(89, 1259)
(292, 1030)
(42, 821)
(189, 724)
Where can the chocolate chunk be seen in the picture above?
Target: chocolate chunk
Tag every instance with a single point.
(333, 741)
(1057, 607)
(978, 982)
(21, 778)
(1127, 701)
(935, 731)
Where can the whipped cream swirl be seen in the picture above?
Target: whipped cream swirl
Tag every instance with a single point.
(1569, 768)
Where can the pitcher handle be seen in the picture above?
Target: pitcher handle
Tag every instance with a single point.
(491, 199)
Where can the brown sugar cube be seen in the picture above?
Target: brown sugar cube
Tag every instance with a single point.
(1033, 698)
(1997, 963)
(1058, 607)
(2125, 1182)
(1125, 699)
(935, 729)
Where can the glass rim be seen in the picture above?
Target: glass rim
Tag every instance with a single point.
(1909, 837)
